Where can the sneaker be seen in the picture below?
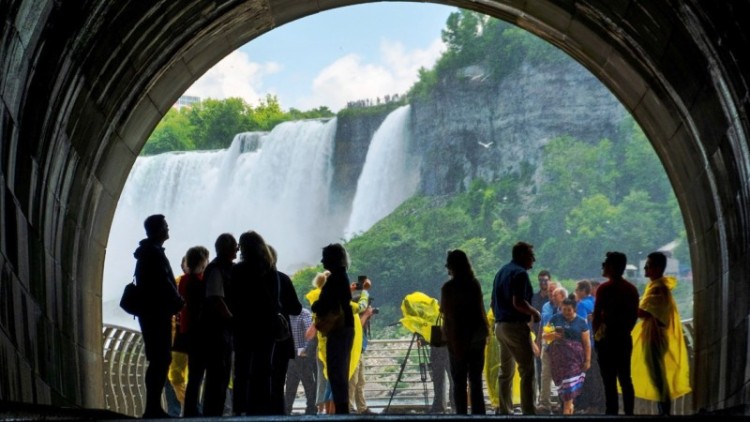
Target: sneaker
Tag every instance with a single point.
(367, 412)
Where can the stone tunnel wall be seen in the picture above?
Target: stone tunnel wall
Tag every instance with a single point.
(82, 84)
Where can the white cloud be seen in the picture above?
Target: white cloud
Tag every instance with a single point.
(349, 78)
(234, 76)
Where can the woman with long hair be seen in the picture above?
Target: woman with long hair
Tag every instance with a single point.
(336, 297)
(253, 302)
(466, 330)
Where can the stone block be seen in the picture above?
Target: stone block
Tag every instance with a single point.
(555, 15)
(652, 26)
(139, 124)
(624, 81)
(709, 118)
(656, 115)
(592, 49)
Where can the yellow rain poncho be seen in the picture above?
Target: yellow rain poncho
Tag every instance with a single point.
(420, 313)
(312, 296)
(649, 335)
(492, 368)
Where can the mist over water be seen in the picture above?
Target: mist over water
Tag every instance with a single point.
(275, 183)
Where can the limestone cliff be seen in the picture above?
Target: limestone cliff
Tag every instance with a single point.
(469, 128)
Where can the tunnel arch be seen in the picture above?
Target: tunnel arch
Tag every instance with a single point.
(84, 84)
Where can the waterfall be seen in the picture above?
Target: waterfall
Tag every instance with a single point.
(389, 177)
(275, 183)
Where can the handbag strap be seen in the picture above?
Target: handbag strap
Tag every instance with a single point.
(278, 292)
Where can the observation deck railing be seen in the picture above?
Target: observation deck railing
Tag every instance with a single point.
(125, 367)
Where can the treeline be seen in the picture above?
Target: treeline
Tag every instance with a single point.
(483, 48)
(613, 195)
(212, 124)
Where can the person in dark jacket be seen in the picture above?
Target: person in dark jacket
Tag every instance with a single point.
(284, 350)
(615, 315)
(216, 325)
(335, 297)
(253, 306)
(466, 329)
(154, 277)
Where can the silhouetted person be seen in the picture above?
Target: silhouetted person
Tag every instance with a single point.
(466, 330)
(254, 306)
(335, 297)
(153, 275)
(284, 350)
(615, 314)
(662, 346)
(216, 324)
(511, 305)
(193, 289)
(304, 366)
(439, 368)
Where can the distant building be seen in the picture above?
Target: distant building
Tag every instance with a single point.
(186, 101)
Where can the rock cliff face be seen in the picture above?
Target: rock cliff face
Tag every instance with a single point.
(353, 136)
(469, 128)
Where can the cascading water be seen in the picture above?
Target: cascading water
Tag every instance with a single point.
(389, 177)
(276, 184)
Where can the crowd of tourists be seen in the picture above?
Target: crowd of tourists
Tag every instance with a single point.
(230, 337)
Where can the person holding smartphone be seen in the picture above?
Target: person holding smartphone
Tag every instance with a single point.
(569, 352)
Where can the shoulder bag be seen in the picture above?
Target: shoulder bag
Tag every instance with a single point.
(132, 299)
(437, 337)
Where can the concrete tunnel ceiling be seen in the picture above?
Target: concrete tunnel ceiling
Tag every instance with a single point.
(85, 83)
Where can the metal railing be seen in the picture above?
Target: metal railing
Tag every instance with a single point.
(124, 370)
(388, 374)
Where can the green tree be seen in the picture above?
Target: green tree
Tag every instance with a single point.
(216, 122)
(173, 133)
(267, 114)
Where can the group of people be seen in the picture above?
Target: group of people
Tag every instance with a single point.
(552, 336)
(562, 338)
(228, 320)
(221, 318)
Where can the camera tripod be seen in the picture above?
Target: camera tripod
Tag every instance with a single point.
(422, 359)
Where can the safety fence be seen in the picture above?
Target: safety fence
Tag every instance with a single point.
(124, 370)
(397, 373)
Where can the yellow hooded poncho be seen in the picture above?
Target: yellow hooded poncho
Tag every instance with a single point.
(492, 368)
(663, 331)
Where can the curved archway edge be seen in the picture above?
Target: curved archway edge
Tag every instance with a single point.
(83, 84)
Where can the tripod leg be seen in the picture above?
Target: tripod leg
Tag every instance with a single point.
(423, 363)
(401, 372)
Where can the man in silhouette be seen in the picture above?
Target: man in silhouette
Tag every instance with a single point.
(511, 297)
(156, 282)
(615, 315)
(215, 323)
(660, 335)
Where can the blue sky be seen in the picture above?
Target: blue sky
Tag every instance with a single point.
(345, 54)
